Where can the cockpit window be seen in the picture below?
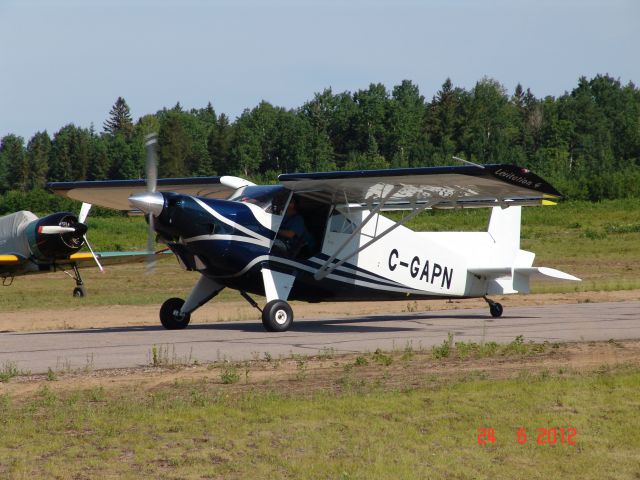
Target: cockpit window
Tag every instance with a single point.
(270, 198)
(340, 224)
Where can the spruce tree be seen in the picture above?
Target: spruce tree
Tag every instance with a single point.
(119, 121)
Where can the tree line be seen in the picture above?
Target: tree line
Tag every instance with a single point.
(586, 142)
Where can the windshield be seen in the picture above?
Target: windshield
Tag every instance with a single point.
(270, 198)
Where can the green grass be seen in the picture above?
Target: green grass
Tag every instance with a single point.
(200, 429)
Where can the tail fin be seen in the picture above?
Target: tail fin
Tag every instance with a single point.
(504, 227)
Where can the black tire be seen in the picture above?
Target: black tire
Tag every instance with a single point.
(496, 310)
(170, 317)
(79, 292)
(277, 316)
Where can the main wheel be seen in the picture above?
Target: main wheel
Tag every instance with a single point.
(495, 309)
(277, 316)
(79, 292)
(170, 315)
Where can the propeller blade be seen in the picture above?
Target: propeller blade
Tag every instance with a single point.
(151, 173)
(151, 242)
(55, 229)
(84, 212)
(151, 168)
(95, 257)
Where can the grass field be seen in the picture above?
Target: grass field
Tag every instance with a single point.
(397, 415)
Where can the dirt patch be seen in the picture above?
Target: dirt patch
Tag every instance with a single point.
(138, 315)
(306, 375)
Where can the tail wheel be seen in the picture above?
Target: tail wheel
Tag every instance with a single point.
(277, 316)
(79, 292)
(495, 309)
(170, 315)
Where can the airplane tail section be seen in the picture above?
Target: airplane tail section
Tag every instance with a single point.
(512, 268)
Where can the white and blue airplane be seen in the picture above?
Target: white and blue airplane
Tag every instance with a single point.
(239, 235)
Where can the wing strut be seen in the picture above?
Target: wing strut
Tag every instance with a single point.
(329, 266)
(325, 269)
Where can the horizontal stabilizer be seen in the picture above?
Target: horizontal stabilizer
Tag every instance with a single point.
(503, 280)
(531, 272)
(545, 273)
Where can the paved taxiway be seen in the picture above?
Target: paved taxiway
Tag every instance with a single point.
(120, 347)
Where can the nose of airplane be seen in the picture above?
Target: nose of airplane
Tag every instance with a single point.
(148, 202)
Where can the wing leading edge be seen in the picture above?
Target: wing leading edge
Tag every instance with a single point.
(115, 193)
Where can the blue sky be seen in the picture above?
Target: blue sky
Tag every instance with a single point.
(67, 61)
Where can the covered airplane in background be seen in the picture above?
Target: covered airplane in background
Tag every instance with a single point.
(29, 244)
(323, 236)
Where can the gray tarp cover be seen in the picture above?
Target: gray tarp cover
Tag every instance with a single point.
(12, 241)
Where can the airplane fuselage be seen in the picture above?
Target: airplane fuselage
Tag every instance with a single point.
(231, 242)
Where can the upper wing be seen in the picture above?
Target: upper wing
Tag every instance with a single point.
(442, 187)
(115, 193)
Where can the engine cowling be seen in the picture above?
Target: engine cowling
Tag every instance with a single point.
(55, 243)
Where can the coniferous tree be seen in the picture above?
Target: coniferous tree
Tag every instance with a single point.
(443, 122)
(61, 158)
(15, 163)
(119, 121)
(219, 146)
(174, 146)
(38, 151)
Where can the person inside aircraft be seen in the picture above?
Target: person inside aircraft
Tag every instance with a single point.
(293, 234)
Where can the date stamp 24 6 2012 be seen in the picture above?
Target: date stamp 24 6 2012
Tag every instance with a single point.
(544, 436)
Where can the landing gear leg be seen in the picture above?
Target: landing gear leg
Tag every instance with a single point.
(277, 315)
(495, 308)
(175, 313)
(79, 291)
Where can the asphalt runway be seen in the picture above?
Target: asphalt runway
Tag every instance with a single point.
(122, 347)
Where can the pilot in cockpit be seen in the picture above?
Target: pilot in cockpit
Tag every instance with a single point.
(293, 234)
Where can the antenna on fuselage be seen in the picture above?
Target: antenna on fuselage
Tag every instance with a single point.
(467, 162)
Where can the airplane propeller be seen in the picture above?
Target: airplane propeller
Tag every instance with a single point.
(70, 229)
(79, 228)
(151, 175)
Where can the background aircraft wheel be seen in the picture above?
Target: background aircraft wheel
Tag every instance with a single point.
(277, 316)
(170, 314)
(79, 292)
(495, 309)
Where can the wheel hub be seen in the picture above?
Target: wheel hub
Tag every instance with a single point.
(281, 317)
